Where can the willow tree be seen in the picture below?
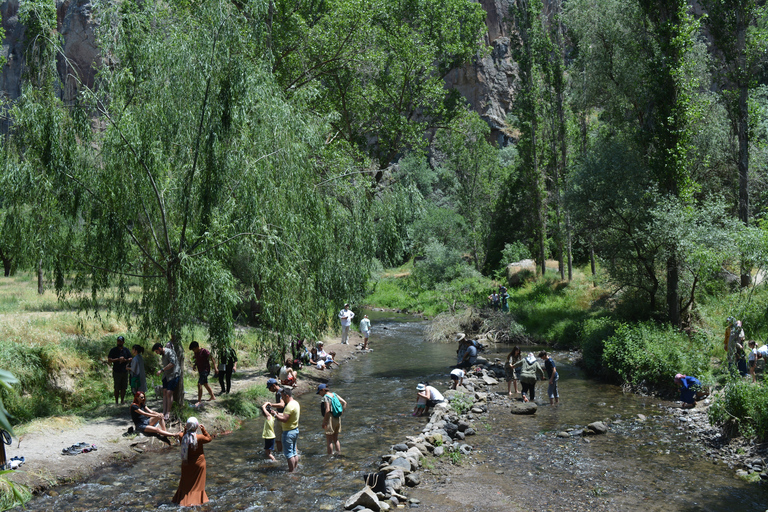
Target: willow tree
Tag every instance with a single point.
(196, 189)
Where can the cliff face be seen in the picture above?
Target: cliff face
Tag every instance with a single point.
(489, 84)
(78, 64)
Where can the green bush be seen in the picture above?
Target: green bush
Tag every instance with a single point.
(441, 264)
(742, 409)
(591, 335)
(652, 353)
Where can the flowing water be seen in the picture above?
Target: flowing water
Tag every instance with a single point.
(519, 464)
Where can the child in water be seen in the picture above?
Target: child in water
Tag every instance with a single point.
(421, 406)
(268, 434)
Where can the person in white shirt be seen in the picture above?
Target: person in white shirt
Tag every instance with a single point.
(457, 378)
(346, 317)
(365, 330)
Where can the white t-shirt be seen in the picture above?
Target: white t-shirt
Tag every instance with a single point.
(365, 325)
(459, 373)
(763, 351)
(346, 317)
(435, 394)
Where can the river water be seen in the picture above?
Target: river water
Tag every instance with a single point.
(518, 464)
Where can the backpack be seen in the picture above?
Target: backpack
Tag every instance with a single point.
(336, 408)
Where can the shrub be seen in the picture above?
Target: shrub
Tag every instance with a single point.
(440, 264)
(651, 353)
(591, 335)
(742, 409)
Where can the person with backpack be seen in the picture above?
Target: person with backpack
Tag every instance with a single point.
(530, 373)
(331, 407)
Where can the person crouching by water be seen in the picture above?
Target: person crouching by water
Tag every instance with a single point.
(290, 420)
(147, 421)
(432, 396)
(691, 390)
(191, 489)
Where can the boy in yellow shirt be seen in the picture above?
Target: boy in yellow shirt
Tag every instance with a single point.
(269, 432)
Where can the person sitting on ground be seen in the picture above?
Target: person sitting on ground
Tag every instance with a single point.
(147, 421)
(321, 354)
(691, 390)
(457, 378)
(287, 375)
(432, 396)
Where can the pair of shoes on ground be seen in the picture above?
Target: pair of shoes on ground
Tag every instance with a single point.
(79, 448)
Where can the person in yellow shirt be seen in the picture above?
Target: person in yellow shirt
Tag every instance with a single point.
(290, 420)
(268, 433)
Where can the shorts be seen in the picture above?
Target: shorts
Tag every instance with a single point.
(172, 384)
(289, 443)
(269, 444)
(203, 378)
(432, 403)
(455, 377)
(140, 428)
(333, 426)
(421, 406)
(121, 380)
(366, 334)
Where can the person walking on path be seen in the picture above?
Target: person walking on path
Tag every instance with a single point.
(290, 420)
(147, 421)
(203, 363)
(138, 375)
(531, 372)
(278, 405)
(432, 396)
(169, 367)
(268, 432)
(365, 330)
(512, 372)
(346, 316)
(227, 366)
(331, 417)
(550, 368)
(119, 357)
(191, 490)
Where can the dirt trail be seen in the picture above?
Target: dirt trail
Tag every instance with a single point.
(45, 466)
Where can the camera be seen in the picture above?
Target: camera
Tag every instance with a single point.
(269, 408)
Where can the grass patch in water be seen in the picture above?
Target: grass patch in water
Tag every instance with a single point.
(247, 403)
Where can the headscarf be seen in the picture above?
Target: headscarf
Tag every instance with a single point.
(190, 437)
(531, 358)
(679, 378)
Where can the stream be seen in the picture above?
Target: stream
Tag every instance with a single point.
(518, 462)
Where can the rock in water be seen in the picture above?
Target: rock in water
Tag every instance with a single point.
(365, 498)
(524, 408)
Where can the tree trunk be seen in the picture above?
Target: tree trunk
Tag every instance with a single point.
(40, 284)
(743, 135)
(592, 263)
(569, 245)
(673, 301)
(175, 326)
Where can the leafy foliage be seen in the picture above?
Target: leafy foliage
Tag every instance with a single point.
(742, 408)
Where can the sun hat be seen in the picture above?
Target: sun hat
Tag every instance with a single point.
(421, 387)
(460, 336)
(321, 387)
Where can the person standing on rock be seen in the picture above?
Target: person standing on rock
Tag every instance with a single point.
(169, 367)
(119, 357)
(331, 421)
(432, 396)
(365, 330)
(550, 368)
(203, 363)
(346, 316)
(290, 420)
(531, 372)
(278, 406)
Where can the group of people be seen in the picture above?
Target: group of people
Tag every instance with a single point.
(500, 299)
(128, 368)
(527, 371)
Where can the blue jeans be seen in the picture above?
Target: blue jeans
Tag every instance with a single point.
(289, 443)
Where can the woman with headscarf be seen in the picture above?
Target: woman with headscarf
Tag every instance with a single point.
(530, 373)
(191, 489)
(691, 390)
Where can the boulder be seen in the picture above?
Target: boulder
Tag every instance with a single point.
(412, 480)
(439, 451)
(524, 408)
(595, 428)
(489, 381)
(365, 498)
(518, 271)
(400, 447)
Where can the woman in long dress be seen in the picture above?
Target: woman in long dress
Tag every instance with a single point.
(191, 489)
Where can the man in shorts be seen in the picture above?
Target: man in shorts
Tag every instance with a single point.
(457, 377)
(290, 420)
(119, 357)
(203, 363)
(331, 424)
(169, 368)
